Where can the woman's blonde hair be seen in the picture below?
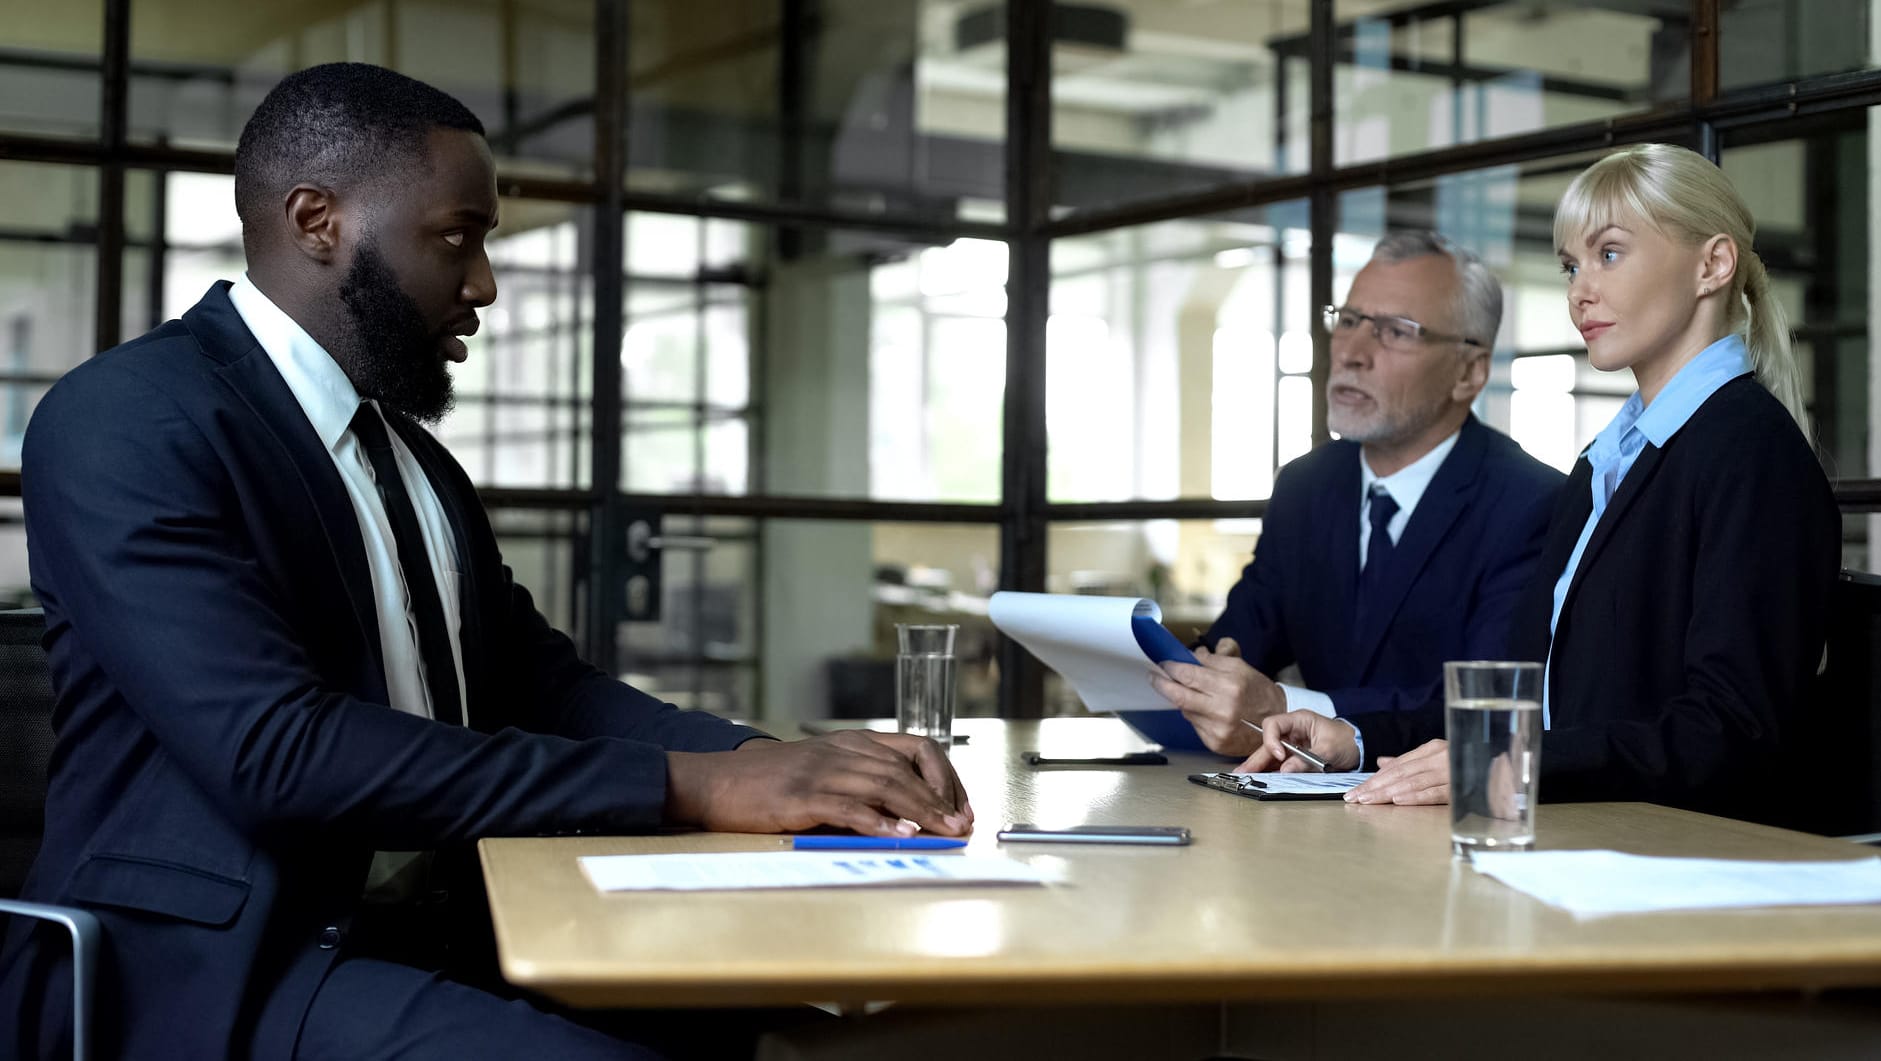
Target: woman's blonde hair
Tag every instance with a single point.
(1684, 196)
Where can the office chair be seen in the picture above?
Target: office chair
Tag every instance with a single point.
(25, 747)
(25, 744)
(1842, 765)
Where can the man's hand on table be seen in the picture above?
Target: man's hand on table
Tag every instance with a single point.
(1219, 695)
(1328, 738)
(872, 783)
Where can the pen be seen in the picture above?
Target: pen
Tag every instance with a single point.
(1308, 757)
(874, 843)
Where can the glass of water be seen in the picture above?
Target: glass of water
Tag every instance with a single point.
(1493, 724)
(924, 681)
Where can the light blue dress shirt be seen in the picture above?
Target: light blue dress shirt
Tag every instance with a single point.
(1620, 443)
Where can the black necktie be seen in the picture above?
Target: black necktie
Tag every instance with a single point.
(434, 644)
(1378, 550)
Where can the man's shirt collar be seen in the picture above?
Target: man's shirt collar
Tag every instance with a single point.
(317, 381)
(1407, 484)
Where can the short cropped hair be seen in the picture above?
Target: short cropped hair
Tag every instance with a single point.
(1479, 296)
(341, 125)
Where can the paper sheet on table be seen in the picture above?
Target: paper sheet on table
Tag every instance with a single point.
(1598, 883)
(1306, 784)
(1088, 641)
(742, 870)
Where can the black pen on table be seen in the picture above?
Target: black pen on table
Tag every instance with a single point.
(1308, 757)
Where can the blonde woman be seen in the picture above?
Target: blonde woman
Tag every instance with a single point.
(1679, 600)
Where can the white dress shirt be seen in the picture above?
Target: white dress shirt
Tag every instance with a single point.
(1406, 486)
(329, 400)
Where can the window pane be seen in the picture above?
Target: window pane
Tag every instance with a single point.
(679, 451)
(1813, 200)
(16, 589)
(687, 343)
(1760, 41)
(181, 236)
(524, 67)
(524, 398)
(49, 78)
(686, 354)
(1412, 75)
(873, 105)
(48, 272)
(812, 362)
(1151, 100)
(785, 619)
(1859, 531)
(547, 552)
(1163, 377)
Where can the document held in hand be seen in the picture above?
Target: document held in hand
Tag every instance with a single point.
(1107, 648)
(1093, 643)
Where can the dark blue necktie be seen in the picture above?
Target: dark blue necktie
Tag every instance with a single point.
(1378, 550)
(434, 644)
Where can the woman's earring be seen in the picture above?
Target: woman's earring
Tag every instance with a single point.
(1703, 291)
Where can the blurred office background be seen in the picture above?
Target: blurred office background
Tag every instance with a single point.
(821, 315)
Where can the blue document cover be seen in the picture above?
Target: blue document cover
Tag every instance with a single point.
(1167, 728)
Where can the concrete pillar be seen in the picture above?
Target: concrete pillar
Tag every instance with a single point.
(815, 401)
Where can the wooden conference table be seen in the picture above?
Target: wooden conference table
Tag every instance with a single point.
(1272, 901)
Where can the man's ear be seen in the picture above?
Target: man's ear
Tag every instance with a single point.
(313, 222)
(1472, 376)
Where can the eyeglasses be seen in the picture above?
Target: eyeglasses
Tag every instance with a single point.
(1393, 333)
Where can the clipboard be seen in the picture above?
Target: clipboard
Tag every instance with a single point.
(1329, 786)
(1167, 728)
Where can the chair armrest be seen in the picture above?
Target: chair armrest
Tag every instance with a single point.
(86, 932)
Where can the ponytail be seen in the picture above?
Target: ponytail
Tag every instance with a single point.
(1767, 337)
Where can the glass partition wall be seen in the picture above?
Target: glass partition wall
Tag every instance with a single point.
(820, 315)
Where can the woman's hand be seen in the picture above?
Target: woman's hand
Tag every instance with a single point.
(1419, 778)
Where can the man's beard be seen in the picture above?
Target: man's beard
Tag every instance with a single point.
(391, 356)
(1387, 425)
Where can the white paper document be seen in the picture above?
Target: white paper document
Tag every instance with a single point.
(1598, 883)
(1088, 641)
(747, 870)
(1305, 784)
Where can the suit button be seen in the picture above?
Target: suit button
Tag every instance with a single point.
(329, 937)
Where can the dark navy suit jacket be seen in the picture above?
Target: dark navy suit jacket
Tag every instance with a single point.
(225, 763)
(1463, 559)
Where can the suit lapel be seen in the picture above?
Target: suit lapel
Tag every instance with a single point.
(249, 372)
(1529, 636)
(1570, 516)
(457, 512)
(1339, 515)
(1449, 493)
(1644, 468)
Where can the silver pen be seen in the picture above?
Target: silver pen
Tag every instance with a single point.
(1308, 757)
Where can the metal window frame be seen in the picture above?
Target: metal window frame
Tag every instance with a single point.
(1025, 512)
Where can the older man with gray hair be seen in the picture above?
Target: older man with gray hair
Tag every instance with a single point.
(1399, 546)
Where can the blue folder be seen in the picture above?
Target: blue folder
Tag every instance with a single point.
(1167, 728)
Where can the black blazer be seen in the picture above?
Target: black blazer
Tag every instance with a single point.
(1464, 558)
(1693, 628)
(225, 763)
